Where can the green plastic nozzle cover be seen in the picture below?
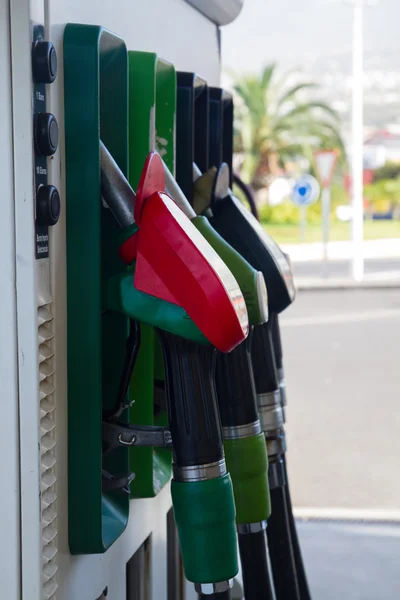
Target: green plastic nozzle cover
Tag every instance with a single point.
(122, 296)
(251, 282)
(247, 463)
(207, 535)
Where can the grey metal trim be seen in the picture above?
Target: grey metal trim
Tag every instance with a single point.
(245, 528)
(207, 589)
(282, 387)
(276, 475)
(271, 418)
(241, 431)
(200, 472)
(115, 189)
(270, 411)
(269, 399)
(276, 446)
(220, 12)
(172, 188)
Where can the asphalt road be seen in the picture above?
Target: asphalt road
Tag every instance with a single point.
(341, 354)
(353, 561)
(341, 268)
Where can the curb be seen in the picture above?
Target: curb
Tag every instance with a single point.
(307, 285)
(372, 516)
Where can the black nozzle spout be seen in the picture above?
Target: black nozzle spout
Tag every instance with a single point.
(235, 386)
(192, 401)
(263, 357)
(115, 189)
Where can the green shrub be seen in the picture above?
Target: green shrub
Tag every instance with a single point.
(384, 194)
(389, 170)
(289, 213)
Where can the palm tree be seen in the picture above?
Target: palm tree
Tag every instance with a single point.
(274, 123)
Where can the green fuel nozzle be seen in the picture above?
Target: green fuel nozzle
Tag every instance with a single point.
(238, 227)
(244, 443)
(251, 282)
(201, 488)
(243, 439)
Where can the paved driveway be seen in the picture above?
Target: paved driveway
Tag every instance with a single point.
(342, 360)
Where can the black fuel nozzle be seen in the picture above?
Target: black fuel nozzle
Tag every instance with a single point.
(267, 387)
(241, 229)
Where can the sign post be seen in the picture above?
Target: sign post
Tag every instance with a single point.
(305, 192)
(326, 162)
(303, 222)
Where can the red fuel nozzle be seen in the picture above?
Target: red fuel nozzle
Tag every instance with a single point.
(175, 263)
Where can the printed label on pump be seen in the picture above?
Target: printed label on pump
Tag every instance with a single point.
(278, 256)
(217, 264)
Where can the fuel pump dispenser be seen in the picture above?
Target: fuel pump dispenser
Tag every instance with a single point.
(175, 282)
(120, 306)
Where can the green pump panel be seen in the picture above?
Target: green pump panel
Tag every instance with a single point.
(152, 106)
(96, 106)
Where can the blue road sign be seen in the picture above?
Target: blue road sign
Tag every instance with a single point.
(305, 191)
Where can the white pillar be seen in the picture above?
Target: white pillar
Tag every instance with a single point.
(357, 150)
(326, 209)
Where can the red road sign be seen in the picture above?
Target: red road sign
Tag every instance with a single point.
(326, 162)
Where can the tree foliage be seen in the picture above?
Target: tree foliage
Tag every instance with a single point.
(383, 194)
(276, 122)
(390, 170)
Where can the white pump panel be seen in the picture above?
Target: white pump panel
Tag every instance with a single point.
(34, 554)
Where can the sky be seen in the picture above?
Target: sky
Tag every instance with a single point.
(296, 32)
